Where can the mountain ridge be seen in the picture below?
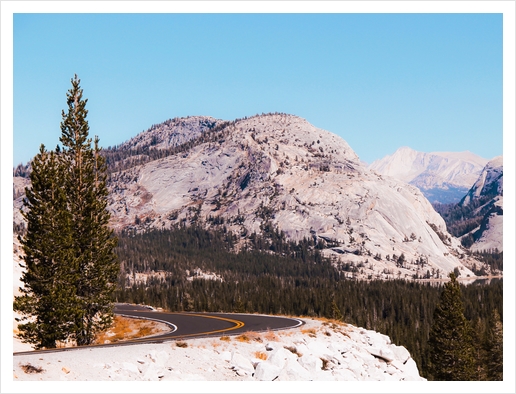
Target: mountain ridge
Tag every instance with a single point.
(278, 170)
(441, 176)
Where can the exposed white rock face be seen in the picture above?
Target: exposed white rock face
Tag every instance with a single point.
(449, 172)
(488, 192)
(306, 181)
(489, 182)
(19, 185)
(317, 351)
(492, 234)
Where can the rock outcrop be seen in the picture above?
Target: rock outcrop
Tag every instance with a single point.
(486, 196)
(279, 170)
(319, 351)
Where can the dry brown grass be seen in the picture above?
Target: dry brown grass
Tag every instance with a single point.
(331, 322)
(249, 336)
(181, 344)
(337, 326)
(260, 355)
(270, 336)
(225, 338)
(124, 328)
(310, 332)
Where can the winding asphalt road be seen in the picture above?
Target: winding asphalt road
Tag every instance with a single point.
(188, 325)
(193, 325)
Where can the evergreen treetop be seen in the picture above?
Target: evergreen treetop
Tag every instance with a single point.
(71, 268)
(451, 349)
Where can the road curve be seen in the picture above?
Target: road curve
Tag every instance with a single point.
(186, 325)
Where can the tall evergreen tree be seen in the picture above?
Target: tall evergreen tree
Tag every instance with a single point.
(494, 348)
(335, 311)
(481, 351)
(71, 269)
(46, 300)
(451, 349)
(94, 243)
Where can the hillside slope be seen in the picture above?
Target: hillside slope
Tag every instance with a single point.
(279, 171)
(486, 199)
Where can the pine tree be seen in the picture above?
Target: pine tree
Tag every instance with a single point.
(94, 243)
(335, 311)
(71, 269)
(451, 349)
(494, 348)
(481, 352)
(46, 298)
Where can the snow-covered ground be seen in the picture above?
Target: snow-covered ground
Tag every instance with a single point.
(317, 357)
(320, 351)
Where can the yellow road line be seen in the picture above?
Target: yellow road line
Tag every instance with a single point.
(238, 324)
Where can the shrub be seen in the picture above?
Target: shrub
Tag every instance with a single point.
(271, 336)
(28, 368)
(309, 331)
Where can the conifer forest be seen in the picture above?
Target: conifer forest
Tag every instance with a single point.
(276, 276)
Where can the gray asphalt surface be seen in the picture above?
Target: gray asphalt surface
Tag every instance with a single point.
(190, 324)
(193, 325)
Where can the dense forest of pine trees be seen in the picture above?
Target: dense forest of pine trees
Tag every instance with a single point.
(295, 280)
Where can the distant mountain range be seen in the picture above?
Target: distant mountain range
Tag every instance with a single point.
(277, 172)
(443, 177)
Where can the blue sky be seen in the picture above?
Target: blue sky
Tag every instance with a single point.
(432, 82)
(428, 80)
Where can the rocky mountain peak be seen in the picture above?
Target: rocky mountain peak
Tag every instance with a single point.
(277, 171)
(171, 133)
(442, 176)
(485, 200)
(489, 182)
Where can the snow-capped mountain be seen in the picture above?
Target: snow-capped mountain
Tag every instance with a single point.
(278, 170)
(442, 176)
